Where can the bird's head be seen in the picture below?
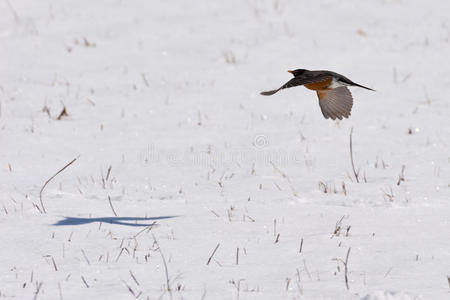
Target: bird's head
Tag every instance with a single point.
(297, 72)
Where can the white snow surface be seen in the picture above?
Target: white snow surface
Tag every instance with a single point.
(166, 95)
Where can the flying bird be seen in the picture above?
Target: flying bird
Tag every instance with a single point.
(335, 99)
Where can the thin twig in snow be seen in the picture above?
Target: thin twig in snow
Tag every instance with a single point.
(60, 291)
(149, 227)
(165, 266)
(54, 263)
(108, 173)
(129, 289)
(16, 16)
(38, 288)
(85, 257)
(112, 207)
(351, 157)
(401, 176)
(50, 179)
(346, 268)
(306, 269)
(134, 278)
(84, 281)
(212, 254)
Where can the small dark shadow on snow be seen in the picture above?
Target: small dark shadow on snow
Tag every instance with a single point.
(128, 221)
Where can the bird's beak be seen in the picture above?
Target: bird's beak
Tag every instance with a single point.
(292, 72)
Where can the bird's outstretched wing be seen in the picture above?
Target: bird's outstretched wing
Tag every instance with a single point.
(296, 81)
(335, 103)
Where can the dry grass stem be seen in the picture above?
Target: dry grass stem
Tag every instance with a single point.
(351, 157)
(50, 179)
(112, 207)
(212, 254)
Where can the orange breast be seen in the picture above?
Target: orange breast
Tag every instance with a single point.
(320, 85)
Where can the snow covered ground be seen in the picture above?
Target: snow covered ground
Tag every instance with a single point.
(165, 94)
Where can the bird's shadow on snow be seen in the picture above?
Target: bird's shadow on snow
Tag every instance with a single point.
(127, 221)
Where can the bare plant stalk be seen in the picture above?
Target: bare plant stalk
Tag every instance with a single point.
(306, 269)
(60, 291)
(130, 289)
(108, 173)
(277, 238)
(54, 264)
(85, 282)
(112, 207)
(13, 11)
(165, 266)
(50, 179)
(401, 177)
(274, 227)
(337, 227)
(288, 281)
(144, 79)
(215, 249)
(294, 192)
(85, 257)
(346, 268)
(134, 278)
(148, 228)
(216, 214)
(62, 114)
(351, 156)
(38, 288)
